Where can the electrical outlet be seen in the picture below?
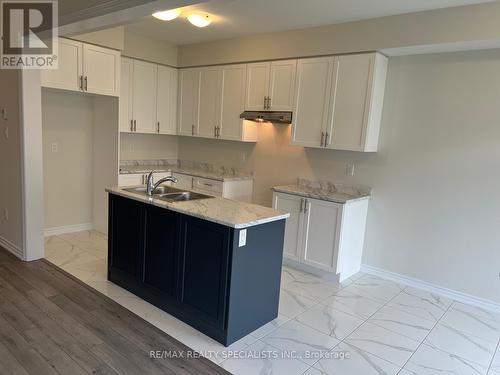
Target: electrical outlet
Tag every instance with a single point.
(54, 147)
(6, 214)
(349, 170)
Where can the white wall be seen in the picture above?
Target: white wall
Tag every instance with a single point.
(68, 173)
(149, 49)
(148, 146)
(11, 230)
(434, 214)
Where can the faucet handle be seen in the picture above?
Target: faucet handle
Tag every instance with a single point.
(150, 175)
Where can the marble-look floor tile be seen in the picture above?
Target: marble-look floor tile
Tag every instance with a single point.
(383, 343)
(293, 304)
(270, 327)
(421, 303)
(109, 289)
(308, 343)
(315, 289)
(376, 288)
(261, 358)
(477, 311)
(431, 361)
(91, 271)
(400, 322)
(289, 274)
(451, 340)
(356, 362)
(469, 323)
(332, 322)
(353, 303)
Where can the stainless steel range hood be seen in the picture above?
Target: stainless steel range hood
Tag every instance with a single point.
(274, 117)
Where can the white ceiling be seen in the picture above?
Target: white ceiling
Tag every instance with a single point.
(233, 18)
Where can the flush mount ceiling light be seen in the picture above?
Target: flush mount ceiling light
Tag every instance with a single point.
(167, 15)
(199, 19)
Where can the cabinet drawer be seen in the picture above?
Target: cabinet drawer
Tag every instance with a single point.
(210, 186)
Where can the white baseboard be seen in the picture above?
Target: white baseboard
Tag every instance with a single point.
(433, 288)
(9, 246)
(67, 229)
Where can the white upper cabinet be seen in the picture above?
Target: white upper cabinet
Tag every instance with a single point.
(144, 97)
(102, 70)
(166, 107)
(85, 68)
(189, 95)
(210, 102)
(257, 86)
(270, 86)
(358, 96)
(232, 127)
(126, 116)
(312, 91)
(282, 85)
(343, 112)
(68, 75)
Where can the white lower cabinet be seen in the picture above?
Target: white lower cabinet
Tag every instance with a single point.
(136, 179)
(323, 237)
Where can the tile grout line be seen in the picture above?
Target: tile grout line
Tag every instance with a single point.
(493, 358)
(425, 338)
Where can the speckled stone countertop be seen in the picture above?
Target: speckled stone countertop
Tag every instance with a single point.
(326, 191)
(197, 169)
(223, 211)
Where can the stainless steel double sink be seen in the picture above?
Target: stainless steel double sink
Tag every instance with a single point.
(170, 194)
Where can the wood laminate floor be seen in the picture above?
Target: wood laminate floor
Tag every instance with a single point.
(50, 323)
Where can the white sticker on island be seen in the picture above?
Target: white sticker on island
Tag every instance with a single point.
(243, 238)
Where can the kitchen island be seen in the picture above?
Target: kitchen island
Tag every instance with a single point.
(213, 263)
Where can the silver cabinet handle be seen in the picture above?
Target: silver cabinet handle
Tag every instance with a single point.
(192, 129)
(305, 206)
(218, 131)
(301, 204)
(135, 125)
(131, 125)
(326, 139)
(215, 131)
(322, 138)
(158, 126)
(81, 83)
(265, 101)
(86, 83)
(268, 102)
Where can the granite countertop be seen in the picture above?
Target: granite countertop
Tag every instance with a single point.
(203, 170)
(223, 211)
(326, 191)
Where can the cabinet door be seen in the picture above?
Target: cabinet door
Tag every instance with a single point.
(101, 68)
(321, 234)
(144, 96)
(257, 86)
(160, 251)
(204, 271)
(167, 101)
(69, 72)
(282, 85)
(210, 101)
(127, 66)
(349, 106)
(184, 181)
(312, 96)
(189, 86)
(126, 236)
(292, 247)
(233, 101)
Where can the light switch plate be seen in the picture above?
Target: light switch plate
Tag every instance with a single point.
(243, 238)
